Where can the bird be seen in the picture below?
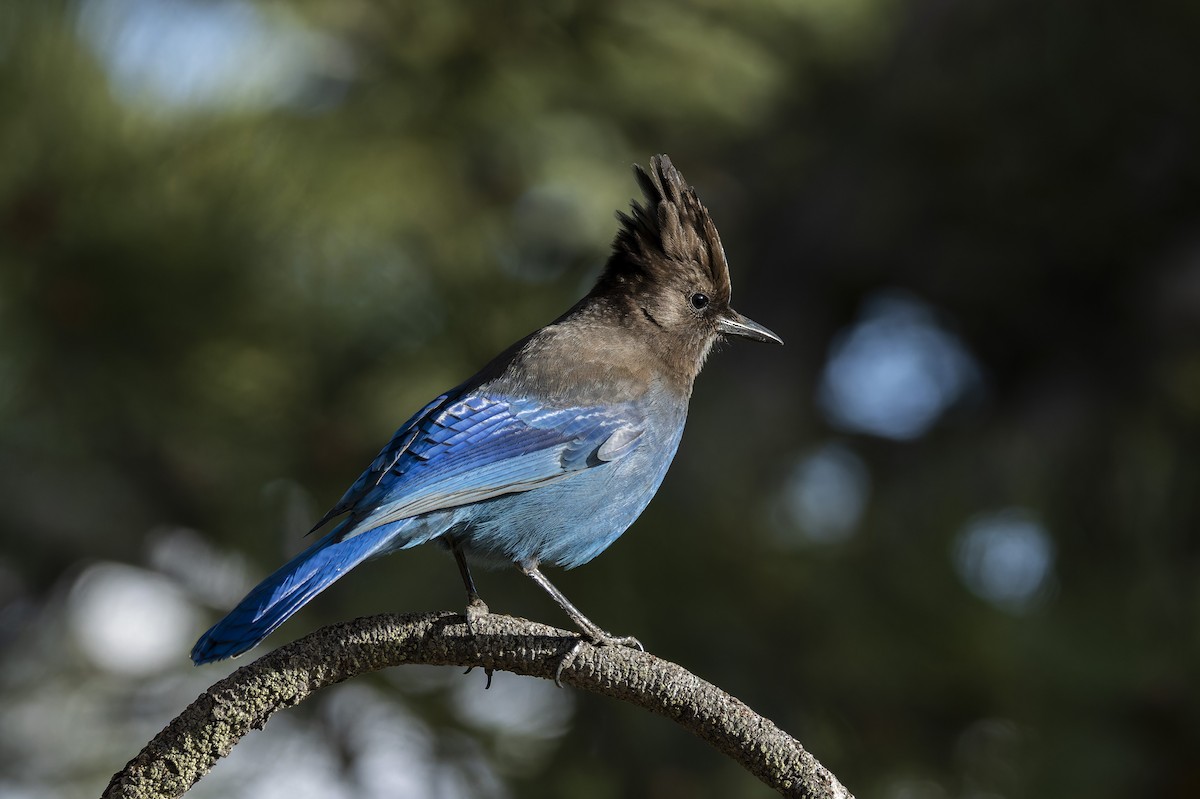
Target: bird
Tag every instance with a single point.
(554, 448)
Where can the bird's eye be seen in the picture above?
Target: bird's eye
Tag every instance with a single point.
(699, 301)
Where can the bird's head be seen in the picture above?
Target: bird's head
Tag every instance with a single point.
(668, 273)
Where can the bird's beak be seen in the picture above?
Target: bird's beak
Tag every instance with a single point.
(734, 324)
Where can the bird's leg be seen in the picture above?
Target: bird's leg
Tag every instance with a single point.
(476, 607)
(589, 628)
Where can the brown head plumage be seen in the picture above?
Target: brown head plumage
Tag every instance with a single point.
(668, 267)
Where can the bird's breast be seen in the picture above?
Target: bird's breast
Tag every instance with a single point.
(571, 521)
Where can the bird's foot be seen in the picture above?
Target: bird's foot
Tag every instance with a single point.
(596, 637)
(601, 638)
(476, 610)
(567, 660)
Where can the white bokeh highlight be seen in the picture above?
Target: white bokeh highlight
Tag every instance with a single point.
(524, 716)
(824, 495)
(895, 371)
(206, 54)
(1006, 558)
(130, 621)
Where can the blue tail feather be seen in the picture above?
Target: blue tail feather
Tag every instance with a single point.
(289, 588)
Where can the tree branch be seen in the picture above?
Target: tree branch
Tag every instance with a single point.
(210, 727)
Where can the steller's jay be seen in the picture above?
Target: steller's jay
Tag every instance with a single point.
(554, 448)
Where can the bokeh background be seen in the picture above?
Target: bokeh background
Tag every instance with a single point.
(947, 536)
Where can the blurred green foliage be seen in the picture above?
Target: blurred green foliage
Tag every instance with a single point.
(216, 304)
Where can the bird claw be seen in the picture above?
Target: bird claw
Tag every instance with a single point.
(487, 671)
(568, 659)
(618, 640)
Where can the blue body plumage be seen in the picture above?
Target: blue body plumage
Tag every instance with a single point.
(550, 452)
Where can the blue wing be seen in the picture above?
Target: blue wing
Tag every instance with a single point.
(465, 449)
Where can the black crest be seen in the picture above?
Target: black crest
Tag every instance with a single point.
(671, 227)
